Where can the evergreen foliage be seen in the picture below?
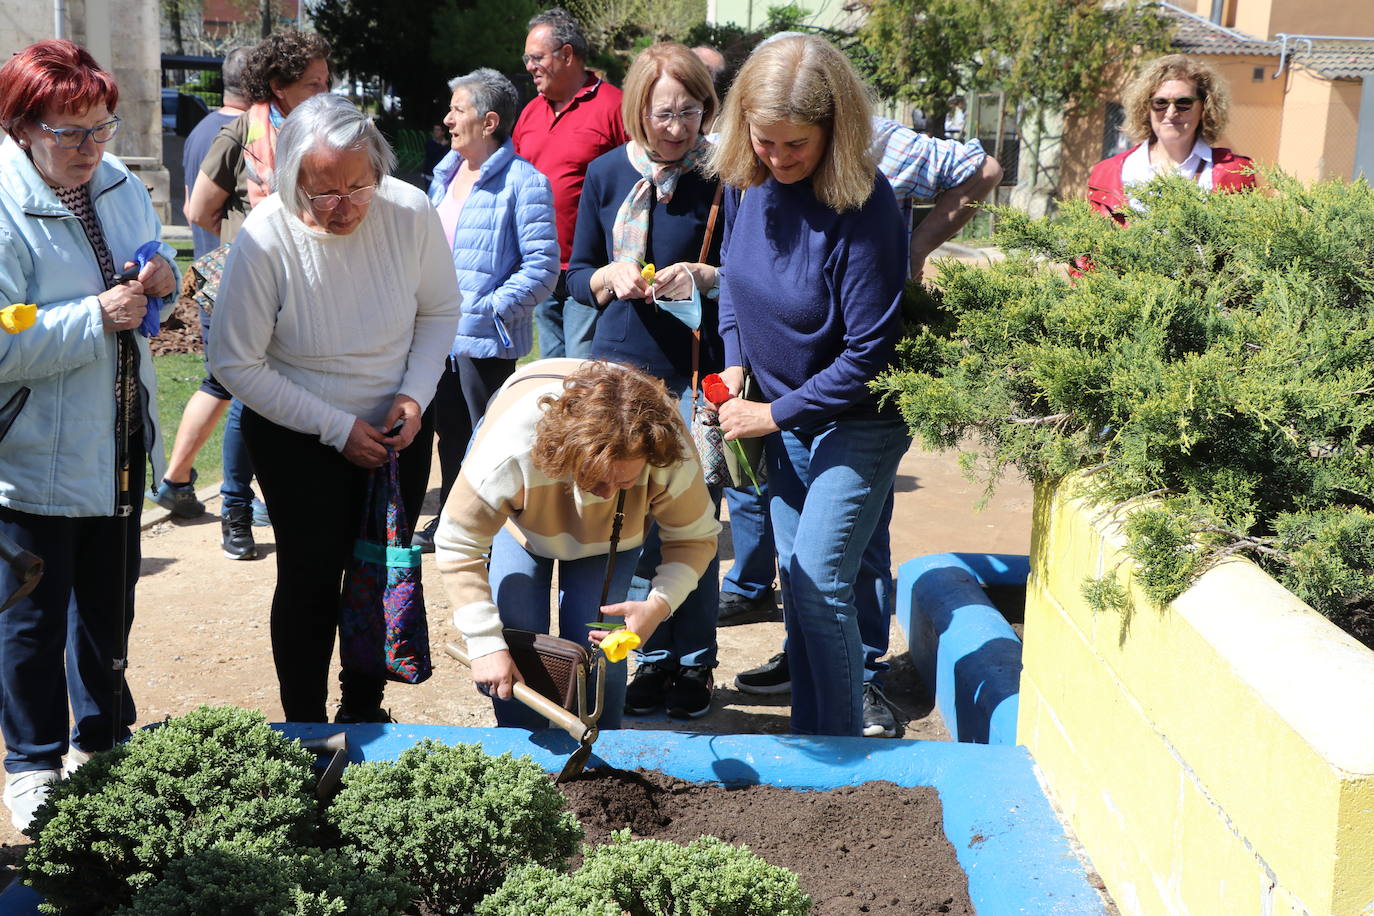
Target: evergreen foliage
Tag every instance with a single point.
(1215, 356)
(229, 879)
(654, 878)
(452, 820)
(212, 776)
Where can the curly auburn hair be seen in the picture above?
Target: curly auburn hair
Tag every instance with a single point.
(1213, 94)
(607, 412)
(282, 56)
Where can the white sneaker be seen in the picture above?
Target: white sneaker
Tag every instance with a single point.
(75, 757)
(25, 792)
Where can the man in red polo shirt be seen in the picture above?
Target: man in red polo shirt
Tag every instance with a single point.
(574, 118)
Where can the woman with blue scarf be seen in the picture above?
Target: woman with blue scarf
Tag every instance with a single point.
(640, 225)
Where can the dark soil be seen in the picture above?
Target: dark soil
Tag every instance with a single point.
(871, 848)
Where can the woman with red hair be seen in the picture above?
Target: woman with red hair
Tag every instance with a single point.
(74, 223)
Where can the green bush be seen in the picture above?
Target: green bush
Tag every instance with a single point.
(1215, 358)
(453, 820)
(229, 880)
(214, 775)
(654, 878)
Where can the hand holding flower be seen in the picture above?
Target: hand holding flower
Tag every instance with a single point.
(641, 617)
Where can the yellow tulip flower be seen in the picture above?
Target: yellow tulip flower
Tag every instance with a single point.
(16, 318)
(618, 644)
(648, 273)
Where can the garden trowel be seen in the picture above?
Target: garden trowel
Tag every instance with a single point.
(580, 726)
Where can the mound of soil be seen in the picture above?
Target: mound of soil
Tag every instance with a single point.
(872, 848)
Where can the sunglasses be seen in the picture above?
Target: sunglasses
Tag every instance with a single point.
(1181, 104)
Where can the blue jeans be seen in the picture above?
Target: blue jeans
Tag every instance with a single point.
(520, 583)
(565, 326)
(237, 487)
(751, 532)
(688, 637)
(830, 480)
(57, 644)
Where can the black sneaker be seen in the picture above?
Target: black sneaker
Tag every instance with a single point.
(690, 695)
(346, 716)
(773, 676)
(737, 609)
(648, 688)
(424, 538)
(178, 498)
(236, 533)
(880, 714)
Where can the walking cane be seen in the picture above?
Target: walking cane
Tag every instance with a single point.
(126, 389)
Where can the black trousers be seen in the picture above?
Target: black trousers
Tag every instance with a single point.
(317, 498)
(459, 402)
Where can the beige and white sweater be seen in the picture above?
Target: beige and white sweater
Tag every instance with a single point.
(499, 485)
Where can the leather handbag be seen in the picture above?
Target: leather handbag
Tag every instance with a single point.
(548, 664)
(383, 631)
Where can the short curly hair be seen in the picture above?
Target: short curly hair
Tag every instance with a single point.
(1212, 89)
(607, 412)
(282, 56)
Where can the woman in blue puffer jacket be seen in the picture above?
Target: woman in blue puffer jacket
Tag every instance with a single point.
(497, 211)
(72, 217)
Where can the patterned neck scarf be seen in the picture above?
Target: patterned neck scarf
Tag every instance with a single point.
(78, 200)
(630, 233)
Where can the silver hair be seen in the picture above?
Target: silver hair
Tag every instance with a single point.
(566, 31)
(330, 122)
(490, 91)
(232, 73)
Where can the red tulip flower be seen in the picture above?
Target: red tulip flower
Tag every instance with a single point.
(717, 392)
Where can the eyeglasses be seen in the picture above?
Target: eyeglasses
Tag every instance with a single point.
(1180, 105)
(75, 137)
(664, 118)
(327, 202)
(536, 58)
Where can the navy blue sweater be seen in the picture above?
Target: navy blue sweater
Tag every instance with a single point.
(810, 298)
(636, 331)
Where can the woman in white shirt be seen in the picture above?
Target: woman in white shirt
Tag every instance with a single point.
(1176, 108)
(336, 310)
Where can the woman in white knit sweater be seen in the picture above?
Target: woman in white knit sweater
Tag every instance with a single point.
(335, 313)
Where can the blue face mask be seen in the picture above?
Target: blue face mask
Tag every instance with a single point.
(688, 311)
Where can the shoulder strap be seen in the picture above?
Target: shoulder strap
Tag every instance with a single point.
(705, 250)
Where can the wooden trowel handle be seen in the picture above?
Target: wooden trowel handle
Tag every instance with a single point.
(534, 700)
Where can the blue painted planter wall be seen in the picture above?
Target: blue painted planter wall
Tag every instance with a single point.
(1015, 852)
(964, 649)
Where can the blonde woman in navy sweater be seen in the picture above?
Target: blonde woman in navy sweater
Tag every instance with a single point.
(813, 266)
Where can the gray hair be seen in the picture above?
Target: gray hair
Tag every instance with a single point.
(566, 30)
(331, 122)
(490, 91)
(232, 72)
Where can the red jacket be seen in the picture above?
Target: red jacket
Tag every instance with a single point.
(1230, 172)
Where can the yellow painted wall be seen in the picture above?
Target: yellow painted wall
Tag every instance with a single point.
(1320, 119)
(1266, 18)
(1215, 757)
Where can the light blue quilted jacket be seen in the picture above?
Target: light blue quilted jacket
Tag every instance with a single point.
(505, 252)
(59, 456)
